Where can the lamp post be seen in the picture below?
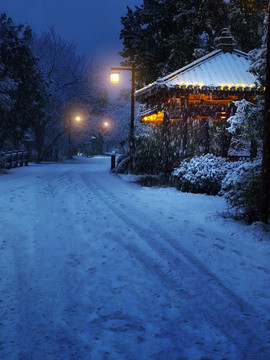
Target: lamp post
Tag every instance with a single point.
(78, 119)
(115, 78)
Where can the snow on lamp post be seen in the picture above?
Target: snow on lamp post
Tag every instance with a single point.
(115, 78)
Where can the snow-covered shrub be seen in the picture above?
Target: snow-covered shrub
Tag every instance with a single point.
(203, 174)
(241, 189)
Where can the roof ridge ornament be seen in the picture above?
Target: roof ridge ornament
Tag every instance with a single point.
(226, 41)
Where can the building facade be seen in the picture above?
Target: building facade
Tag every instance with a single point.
(195, 101)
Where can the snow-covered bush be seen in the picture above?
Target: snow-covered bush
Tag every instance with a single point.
(203, 174)
(241, 189)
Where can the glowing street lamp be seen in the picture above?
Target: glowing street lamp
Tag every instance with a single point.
(115, 78)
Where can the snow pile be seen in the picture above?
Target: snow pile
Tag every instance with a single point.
(203, 174)
(241, 189)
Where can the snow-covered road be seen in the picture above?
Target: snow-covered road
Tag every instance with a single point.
(93, 267)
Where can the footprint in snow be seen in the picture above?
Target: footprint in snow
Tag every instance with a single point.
(220, 247)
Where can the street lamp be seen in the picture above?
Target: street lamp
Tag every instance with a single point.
(115, 78)
(77, 119)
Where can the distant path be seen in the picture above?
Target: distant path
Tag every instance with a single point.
(93, 267)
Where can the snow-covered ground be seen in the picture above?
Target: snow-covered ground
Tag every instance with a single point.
(95, 267)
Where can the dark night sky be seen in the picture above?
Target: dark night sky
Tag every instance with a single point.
(93, 25)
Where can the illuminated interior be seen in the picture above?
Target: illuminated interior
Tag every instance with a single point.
(154, 118)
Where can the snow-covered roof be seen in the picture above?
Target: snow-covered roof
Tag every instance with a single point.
(218, 69)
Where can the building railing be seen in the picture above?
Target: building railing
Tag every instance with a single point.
(13, 159)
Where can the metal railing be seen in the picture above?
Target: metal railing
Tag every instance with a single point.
(13, 159)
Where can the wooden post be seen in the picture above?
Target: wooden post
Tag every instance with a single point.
(9, 158)
(20, 158)
(26, 157)
(15, 158)
(206, 136)
(184, 131)
(165, 145)
(112, 162)
(265, 186)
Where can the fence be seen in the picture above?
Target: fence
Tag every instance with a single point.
(13, 159)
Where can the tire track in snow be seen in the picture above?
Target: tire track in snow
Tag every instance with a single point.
(181, 260)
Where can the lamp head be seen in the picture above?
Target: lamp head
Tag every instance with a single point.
(115, 77)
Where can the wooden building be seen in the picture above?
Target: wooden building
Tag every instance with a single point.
(200, 97)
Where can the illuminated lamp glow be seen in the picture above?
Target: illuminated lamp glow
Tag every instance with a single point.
(197, 84)
(115, 77)
(240, 85)
(222, 115)
(154, 117)
(183, 84)
(225, 86)
(78, 118)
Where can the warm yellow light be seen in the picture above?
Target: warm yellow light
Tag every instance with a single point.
(197, 84)
(78, 118)
(240, 85)
(183, 84)
(154, 117)
(106, 124)
(115, 77)
(225, 86)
